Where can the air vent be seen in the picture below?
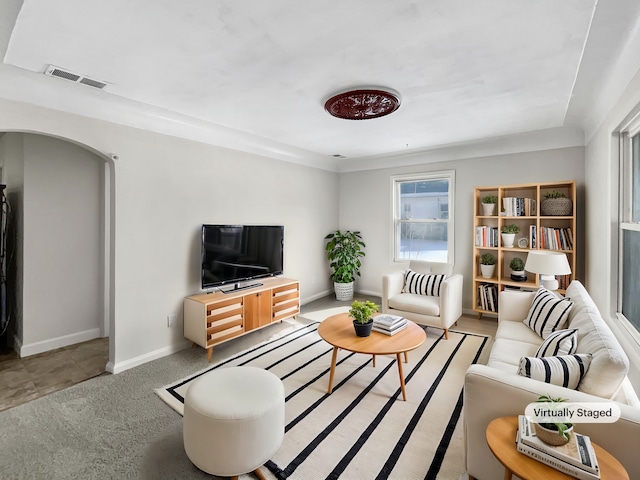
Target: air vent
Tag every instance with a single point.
(337, 155)
(54, 71)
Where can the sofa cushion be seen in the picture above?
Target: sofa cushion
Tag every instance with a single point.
(580, 298)
(564, 370)
(411, 302)
(548, 312)
(506, 354)
(422, 284)
(518, 331)
(560, 342)
(609, 365)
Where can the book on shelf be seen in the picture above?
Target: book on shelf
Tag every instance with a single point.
(488, 297)
(387, 331)
(519, 206)
(576, 458)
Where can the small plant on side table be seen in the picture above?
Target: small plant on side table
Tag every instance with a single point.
(553, 433)
(362, 312)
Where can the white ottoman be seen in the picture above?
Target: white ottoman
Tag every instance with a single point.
(233, 420)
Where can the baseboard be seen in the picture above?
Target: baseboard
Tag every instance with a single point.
(147, 357)
(315, 297)
(26, 350)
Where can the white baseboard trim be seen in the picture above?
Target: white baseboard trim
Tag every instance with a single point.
(370, 293)
(147, 357)
(315, 297)
(26, 350)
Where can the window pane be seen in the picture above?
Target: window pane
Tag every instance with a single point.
(424, 200)
(423, 241)
(630, 284)
(635, 188)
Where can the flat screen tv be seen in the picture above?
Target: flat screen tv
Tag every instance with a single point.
(233, 254)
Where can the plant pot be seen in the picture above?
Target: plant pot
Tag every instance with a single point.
(344, 291)
(518, 276)
(487, 270)
(507, 239)
(551, 436)
(488, 209)
(556, 207)
(363, 329)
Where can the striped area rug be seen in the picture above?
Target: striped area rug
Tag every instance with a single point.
(363, 430)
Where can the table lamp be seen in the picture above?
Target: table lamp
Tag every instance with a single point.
(547, 265)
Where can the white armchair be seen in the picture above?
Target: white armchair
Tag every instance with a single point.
(440, 312)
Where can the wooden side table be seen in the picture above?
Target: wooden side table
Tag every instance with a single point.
(501, 438)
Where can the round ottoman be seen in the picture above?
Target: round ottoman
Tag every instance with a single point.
(233, 420)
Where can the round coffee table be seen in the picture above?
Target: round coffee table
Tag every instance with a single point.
(338, 331)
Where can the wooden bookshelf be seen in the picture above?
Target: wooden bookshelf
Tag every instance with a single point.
(560, 234)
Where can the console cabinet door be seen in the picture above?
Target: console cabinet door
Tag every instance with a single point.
(257, 310)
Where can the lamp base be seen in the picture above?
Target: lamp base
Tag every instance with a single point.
(549, 282)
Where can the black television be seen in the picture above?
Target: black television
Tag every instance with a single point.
(233, 254)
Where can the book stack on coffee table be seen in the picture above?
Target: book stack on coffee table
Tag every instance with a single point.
(576, 458)
(388, 324)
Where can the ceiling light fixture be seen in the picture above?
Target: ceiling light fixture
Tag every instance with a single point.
(362, 104)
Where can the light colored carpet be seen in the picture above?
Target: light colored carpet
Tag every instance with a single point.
(363, 430)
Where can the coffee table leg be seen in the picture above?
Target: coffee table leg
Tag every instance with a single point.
(334, 356)
(507, 474)
(406, 357)
(374, 361)
(404, 392)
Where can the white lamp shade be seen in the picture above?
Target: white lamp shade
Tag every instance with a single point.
(547, 263)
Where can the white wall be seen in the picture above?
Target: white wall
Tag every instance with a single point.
(365, 204)
(163, 189)
(602, 216)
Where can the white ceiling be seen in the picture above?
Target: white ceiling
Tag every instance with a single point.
(254, 75)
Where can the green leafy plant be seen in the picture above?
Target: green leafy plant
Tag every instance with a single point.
(562, 428)
(490, 199)
(361, 312)
(487, 259)
(554, 194)
(511, 228)
(517, 264)
(344, 250)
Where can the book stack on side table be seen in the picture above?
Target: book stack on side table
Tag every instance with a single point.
(576, 458)
(388, 324)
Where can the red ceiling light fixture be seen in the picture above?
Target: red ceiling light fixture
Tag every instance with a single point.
(363, 104)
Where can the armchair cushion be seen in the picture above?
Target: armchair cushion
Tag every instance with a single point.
(548, 313)
(411, 302)
(422, 284)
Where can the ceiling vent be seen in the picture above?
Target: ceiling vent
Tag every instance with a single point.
(337, 155)
(54, 71)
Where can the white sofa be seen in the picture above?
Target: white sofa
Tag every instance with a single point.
(440, 312)
(496, 390)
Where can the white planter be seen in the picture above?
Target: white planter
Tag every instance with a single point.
(488, 209)
(487, 270)
(344, 291)
(507, 239)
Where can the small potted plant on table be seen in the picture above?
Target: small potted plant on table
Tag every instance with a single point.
(362, 314)
(553, 433)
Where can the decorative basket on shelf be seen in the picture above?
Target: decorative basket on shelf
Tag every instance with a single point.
(556, 207)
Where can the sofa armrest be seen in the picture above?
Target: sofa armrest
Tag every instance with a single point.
(491, 393)
(451, 300)
(392, 284)
(514, 305)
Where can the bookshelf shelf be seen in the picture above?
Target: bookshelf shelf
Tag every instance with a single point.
(522, 202)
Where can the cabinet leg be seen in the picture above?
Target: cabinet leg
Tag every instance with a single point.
(479, 315)
(209, 354)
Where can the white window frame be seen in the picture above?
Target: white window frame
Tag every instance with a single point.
(625, 221)
(396, 180)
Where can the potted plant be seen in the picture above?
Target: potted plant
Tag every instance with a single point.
(344, 250)
(553, 433)
(517, 269)
(509, 234)
(362, 313)
(487, 264)
(489, 204)
(556, 204)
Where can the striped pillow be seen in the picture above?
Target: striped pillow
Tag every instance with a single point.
(560, 342)
(423, 284)
(548, 312)
(564, 370)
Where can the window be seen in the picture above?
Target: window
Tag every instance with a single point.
(629, 235)
(423, 217)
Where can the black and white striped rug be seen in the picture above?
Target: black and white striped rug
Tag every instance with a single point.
(363, 430)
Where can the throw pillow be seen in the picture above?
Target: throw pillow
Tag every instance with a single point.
(560, 342)
(564, 370)
(548, 313)
(423, 284)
